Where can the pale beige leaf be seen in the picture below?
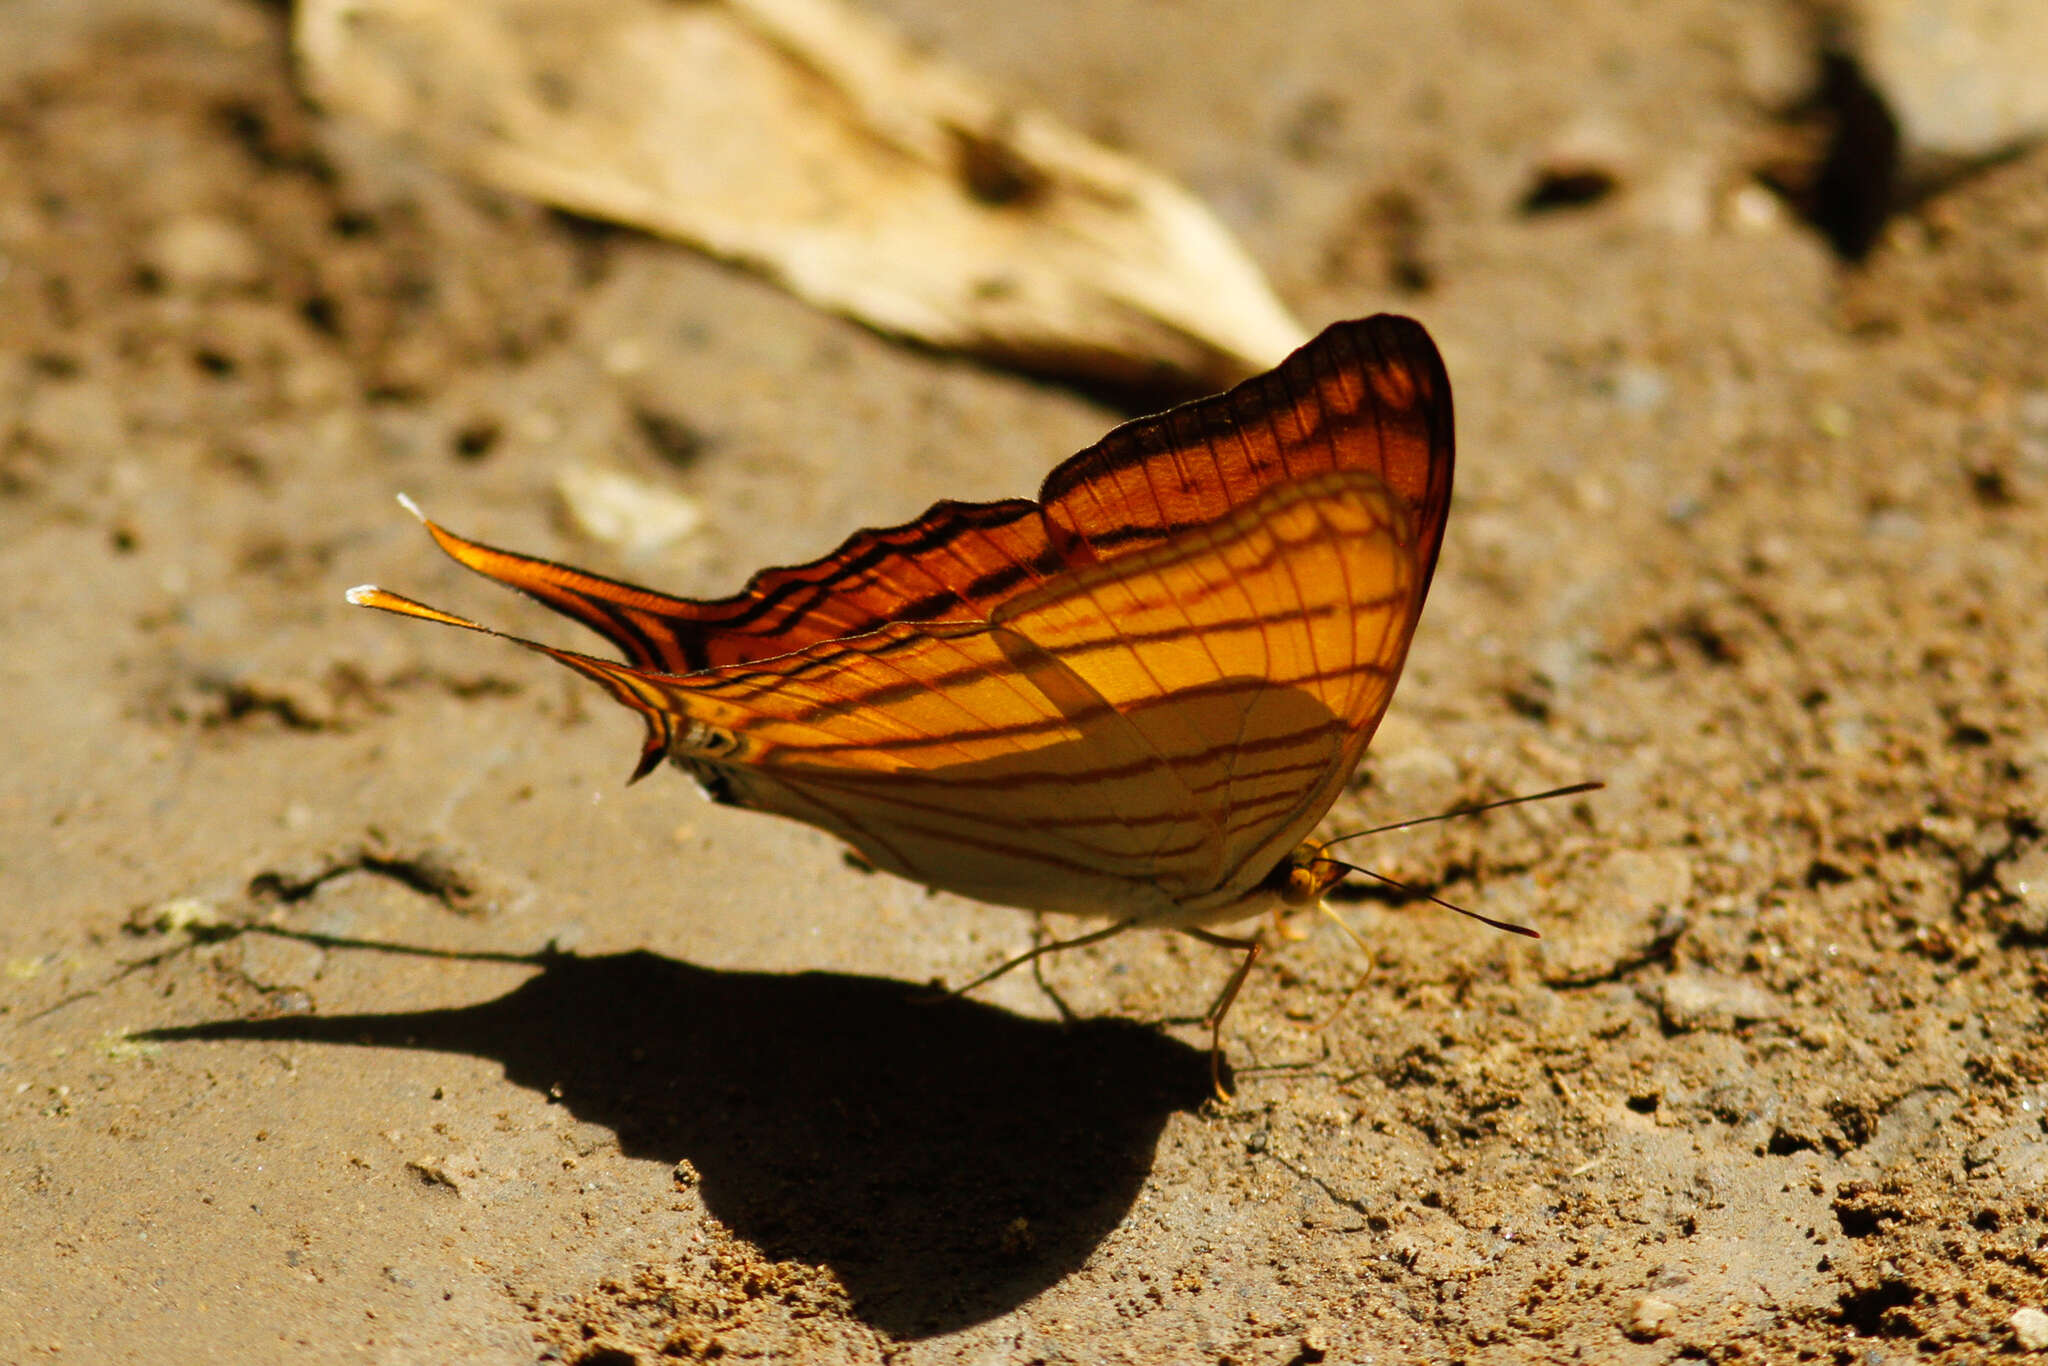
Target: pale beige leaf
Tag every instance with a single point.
(805, 138)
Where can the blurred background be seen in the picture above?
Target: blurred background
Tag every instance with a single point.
(487, 1057)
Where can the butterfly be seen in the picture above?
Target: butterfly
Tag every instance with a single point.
(1131, 699)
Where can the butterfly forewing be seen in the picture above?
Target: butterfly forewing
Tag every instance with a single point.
(1368, 395)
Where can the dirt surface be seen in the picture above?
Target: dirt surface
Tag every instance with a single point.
(516, 1064)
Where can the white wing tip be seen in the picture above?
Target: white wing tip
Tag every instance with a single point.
(405, 501)
(362, 593)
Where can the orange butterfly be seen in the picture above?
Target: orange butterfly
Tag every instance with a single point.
(1133, 698)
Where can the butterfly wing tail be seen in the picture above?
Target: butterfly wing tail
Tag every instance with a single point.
(651, 629)
(624, 682)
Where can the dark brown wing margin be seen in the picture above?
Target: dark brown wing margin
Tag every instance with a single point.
(1368, 395)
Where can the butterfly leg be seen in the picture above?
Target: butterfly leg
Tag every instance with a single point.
(1251, 949)
(1039, 935)
(1041, 950)
(1365, 951)
(1286, 925)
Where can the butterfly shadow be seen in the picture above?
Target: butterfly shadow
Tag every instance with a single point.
(947, 1159)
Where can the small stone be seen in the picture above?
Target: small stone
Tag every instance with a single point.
(622, 511)
(182, 913)
(2029, 1329)
(450, 1173)
(2033, 412)
(1712, 1000)
(1642, 882)
(1638, 904)
(1752, 208)
(1832, 420)
(2026, 879)
(292, 1001)
(1639, 388)
(194, 253)
(1963, 76)
(276, 964)
(1650, 1318)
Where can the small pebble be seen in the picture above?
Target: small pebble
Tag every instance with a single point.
(183, 913)
(1650, 1318)
(2026, 879)
(1962, 76)
(1639, 389)
(1710, 1000)
(2030, 1329)
(1641, 882)
(621, 511)
(278, 965)
(197, 252)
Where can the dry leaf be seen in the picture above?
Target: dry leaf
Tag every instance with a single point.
(806, 139)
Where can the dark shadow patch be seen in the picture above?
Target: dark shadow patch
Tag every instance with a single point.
(1824, 873)
(900, 1137)
(1567, 187)
(1864, 1209)
(671, 437)
(1879, 1310)
(1784, 1143)
(607, 1356)
(1383, 240)
(475, 440)
(1856, 186)
(993, 172)
(429, 871)
(1847, 185)
(280, 146)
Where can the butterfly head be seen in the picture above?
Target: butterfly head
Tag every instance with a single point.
(1305, 875)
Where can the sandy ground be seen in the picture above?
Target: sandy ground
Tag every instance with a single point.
(520, 1064)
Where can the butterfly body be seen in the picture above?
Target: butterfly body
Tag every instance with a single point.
(1132, 699)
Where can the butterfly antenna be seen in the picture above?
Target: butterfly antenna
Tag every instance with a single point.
(1455, 812)
(1508, 925)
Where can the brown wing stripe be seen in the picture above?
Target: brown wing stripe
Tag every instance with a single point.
(751, 682)
(1147, 863)
(1101, 859)
(744, 680)
(1319, 764)
(871, 550)
(951, 832)
(1105, 773)
(1240, 686)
